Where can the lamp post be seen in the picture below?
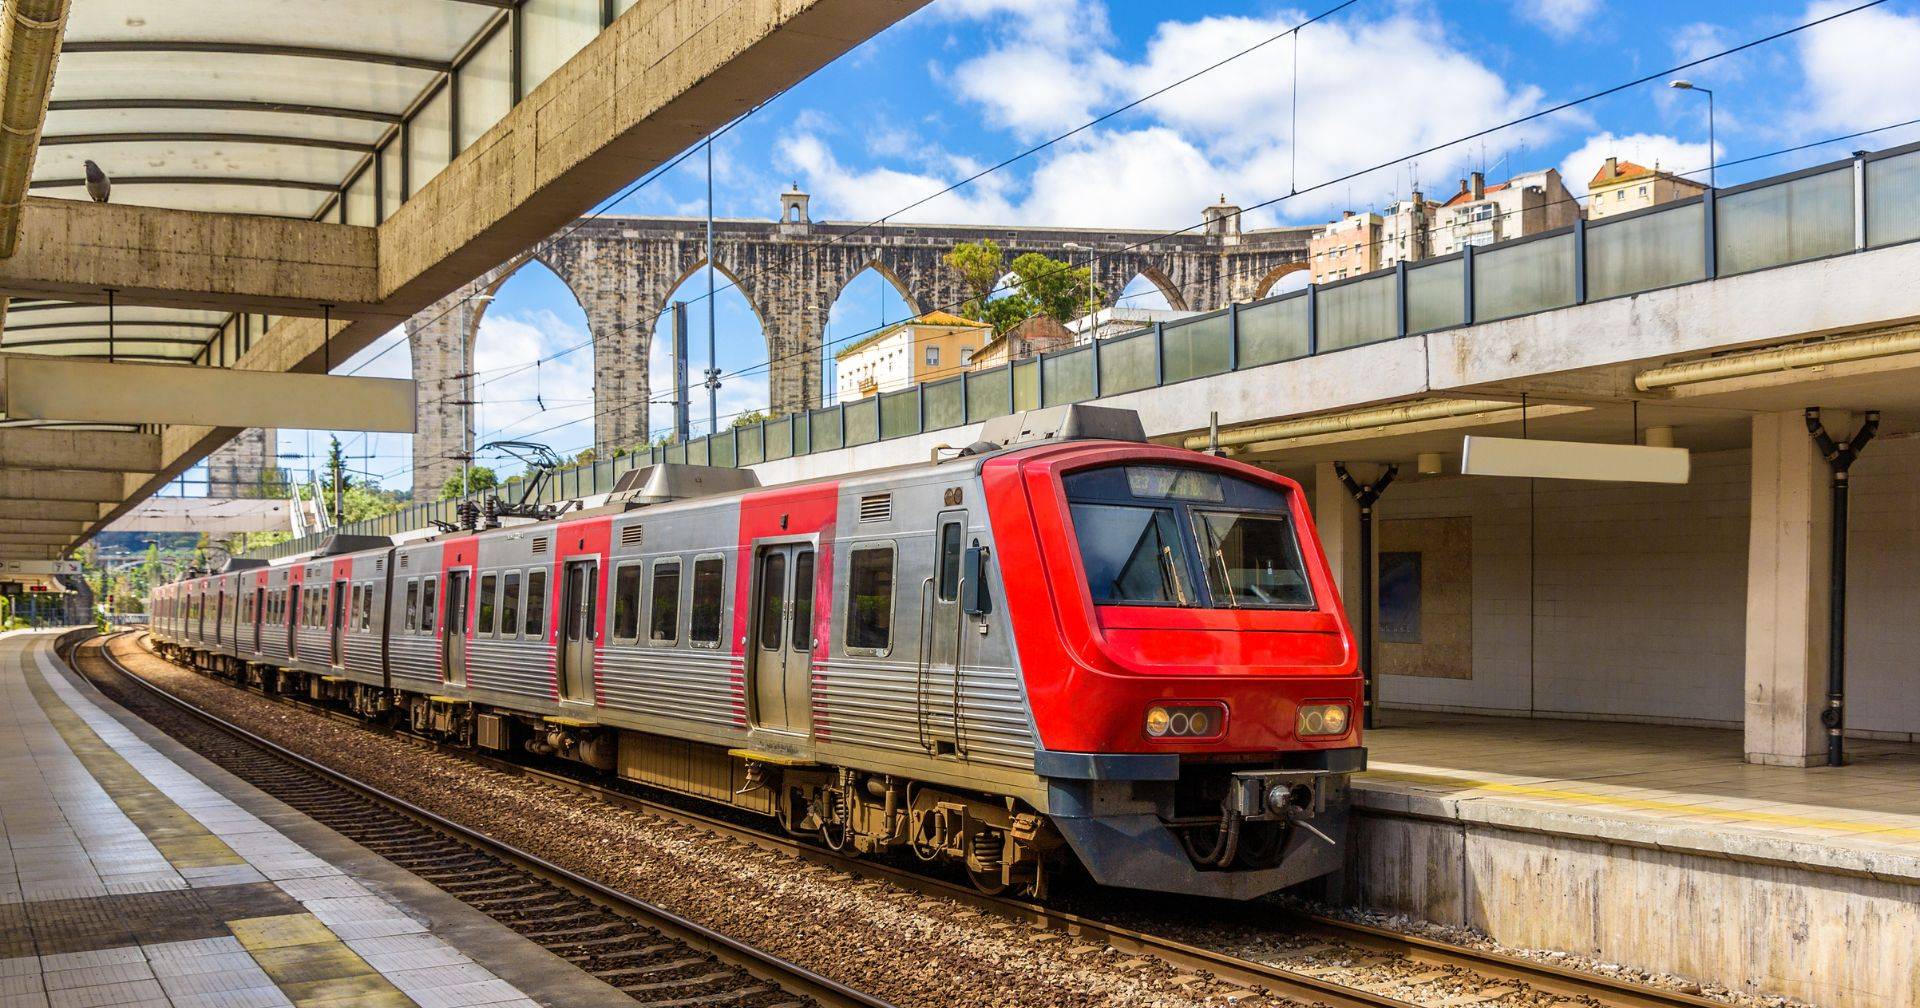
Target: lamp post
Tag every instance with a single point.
(1091, 308)
(1712, 155)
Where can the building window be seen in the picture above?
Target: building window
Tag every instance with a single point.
(966, 355)
(933, 356)
(1643, 190)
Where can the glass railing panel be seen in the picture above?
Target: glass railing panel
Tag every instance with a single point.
(1272, 331)
(1126, 363)
(1366, 311)
(780, 438)
(1436, 296)
(1650, 251)
(753, 446)
(1791, 221)
(828, 432)
(802, 433)
(945, 407)
(900, 413)
(1026, 385)
(721, 448)
(987, 394)
(700, 452)
(677, 453)
(863, 421)
(1068, 376)
(1195, 348)
(1893, 199)
(1522, 278)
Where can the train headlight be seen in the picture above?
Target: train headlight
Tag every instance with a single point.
(1321, 720)
(1186, 721)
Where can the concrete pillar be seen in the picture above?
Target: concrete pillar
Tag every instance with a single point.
(1338, 520)
(237, 468)
(622, 336)
(441, 341)
(1787, 591)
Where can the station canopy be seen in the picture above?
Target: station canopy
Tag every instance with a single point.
(335, 111)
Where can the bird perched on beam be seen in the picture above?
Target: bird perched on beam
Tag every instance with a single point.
(98, 185)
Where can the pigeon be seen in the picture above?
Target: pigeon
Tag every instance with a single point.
(98, 185)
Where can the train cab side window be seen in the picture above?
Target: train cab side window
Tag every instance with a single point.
(489, 585)
(870, 597)
(429, 607)
(536, 604)
(413, 606)
(704, 621)
(510, 604)
(626, 603)
(663, 624)
(366, 611)
(950, 536)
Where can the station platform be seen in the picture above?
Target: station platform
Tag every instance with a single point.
(132, 872)
(1650, 845)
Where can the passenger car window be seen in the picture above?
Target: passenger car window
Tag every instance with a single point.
(488, 585)
(428, 609)
(626, 603)
(870, 597)
(704, 620)
(536, 603)
(510, 604)
(663, 627)
(950, 535)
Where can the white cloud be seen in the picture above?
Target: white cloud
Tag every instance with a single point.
(1560, 18)
(1860, 71)
(1650, 149)
(520, 401)
(1229, 131)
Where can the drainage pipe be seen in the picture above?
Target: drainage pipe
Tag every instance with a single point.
(1779, 359)
(1366, 495)
(1839, 456)
(30, 45)
(1338, 423)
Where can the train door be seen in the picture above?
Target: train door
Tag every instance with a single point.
(941, 638)
(782, 662)
(453, 629)
(293, 620)
(220, 616)
(338, 621)
(579, 625)
(259, 614)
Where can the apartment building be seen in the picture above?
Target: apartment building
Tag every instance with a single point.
(1622, 187)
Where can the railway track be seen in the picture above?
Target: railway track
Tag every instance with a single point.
(1484, 976)
(647, 952)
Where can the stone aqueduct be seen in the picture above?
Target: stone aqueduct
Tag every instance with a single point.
(624, 270)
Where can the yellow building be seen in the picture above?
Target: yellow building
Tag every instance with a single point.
(935, 345)
(1622, 186)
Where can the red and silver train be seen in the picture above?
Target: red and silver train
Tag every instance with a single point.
(1063, 640)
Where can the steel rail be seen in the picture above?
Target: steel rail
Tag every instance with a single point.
(793, 977)
(1544, 977)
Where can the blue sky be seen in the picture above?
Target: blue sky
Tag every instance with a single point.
(963, 84)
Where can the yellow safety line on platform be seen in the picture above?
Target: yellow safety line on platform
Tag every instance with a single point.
(173, 831)
(1876, 830)
(312, 966)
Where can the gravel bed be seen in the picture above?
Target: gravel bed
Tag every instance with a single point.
(908, 948)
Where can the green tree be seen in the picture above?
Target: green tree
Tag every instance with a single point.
(272, 485)
(1041, 285)
(980, 265)
(750, 418)
(1053, 287)
(477, 479)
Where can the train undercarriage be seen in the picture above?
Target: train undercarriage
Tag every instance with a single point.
(1001, 844)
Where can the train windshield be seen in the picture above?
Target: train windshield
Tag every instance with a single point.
(1166, 535)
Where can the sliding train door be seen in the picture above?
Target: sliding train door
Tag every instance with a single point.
(337, 623)
(781, 656)
(578, 628)
(453, 629)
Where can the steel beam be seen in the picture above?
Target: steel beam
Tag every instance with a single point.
(61, 485)
(64, 388)
(102, 451)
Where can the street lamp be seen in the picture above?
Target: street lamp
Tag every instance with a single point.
(1712, 155)
(1092, 308)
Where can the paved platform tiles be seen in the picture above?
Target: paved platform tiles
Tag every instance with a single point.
(134, 873)
(1676, 787)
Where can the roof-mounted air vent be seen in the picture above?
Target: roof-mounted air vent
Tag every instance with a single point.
(1059, 423)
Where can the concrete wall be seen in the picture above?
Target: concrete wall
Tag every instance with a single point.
(1638, 595)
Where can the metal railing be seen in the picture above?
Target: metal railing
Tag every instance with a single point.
(1869, 201)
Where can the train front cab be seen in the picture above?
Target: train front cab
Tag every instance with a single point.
(1191, 672)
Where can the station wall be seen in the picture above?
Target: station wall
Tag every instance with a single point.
(1629, 601)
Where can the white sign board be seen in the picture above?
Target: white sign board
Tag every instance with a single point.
(39, 567)
(1577, 460)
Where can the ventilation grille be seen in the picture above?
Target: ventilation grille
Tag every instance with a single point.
(404, 558)
(633, 535)
(540, 546)
(876, 508)
(379, 565)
